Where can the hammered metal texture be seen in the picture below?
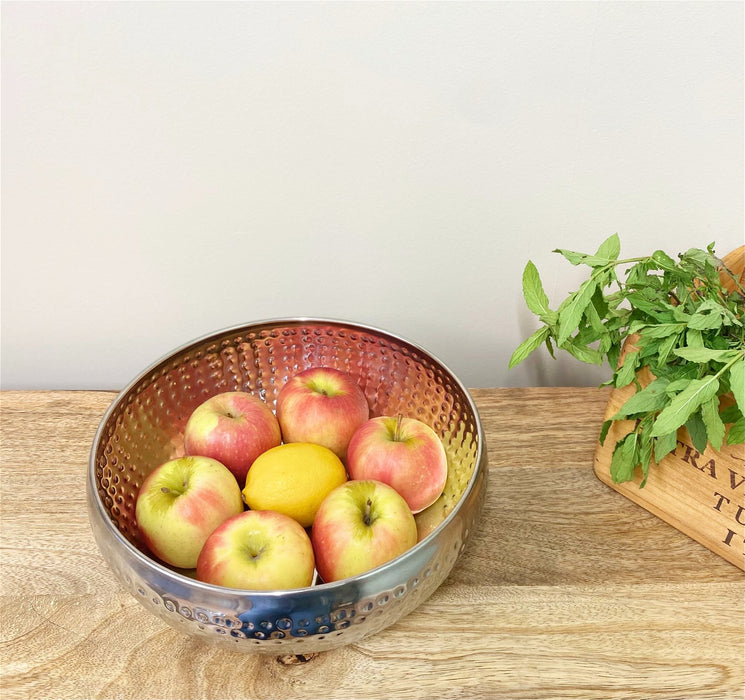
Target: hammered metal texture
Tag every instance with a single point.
(144, 427)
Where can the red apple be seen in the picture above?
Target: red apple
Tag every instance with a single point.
(404, 453)
(258, 550)
(179, 505)
(233, 427)
(360, 525)
(322, 405)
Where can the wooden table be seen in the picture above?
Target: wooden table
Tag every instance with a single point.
(566, 590)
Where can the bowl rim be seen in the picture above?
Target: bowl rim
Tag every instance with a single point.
(315, 588)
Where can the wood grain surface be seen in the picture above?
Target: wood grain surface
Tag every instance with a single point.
(566, 590)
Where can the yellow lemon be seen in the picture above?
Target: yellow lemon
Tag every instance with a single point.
(293, 479)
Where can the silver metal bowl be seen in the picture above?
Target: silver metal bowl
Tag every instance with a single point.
(144, 427)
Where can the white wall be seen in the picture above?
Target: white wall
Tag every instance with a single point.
(170, 169)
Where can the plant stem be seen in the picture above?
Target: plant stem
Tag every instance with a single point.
(397, 431)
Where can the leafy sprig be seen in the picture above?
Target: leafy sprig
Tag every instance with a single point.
(682, 325)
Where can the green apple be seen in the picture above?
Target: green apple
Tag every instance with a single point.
(179, 505)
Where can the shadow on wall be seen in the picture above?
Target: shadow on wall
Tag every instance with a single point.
(543, 370)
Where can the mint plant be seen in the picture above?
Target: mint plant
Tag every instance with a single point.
(682, 324)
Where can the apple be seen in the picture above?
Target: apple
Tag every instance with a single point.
(360, 525)
(404, 453)
(259, 550)
(180, 503)
(233, 427)
(322, 405)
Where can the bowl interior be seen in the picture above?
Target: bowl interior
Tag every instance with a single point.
(144, 426)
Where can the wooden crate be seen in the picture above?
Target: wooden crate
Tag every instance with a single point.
(700, 494)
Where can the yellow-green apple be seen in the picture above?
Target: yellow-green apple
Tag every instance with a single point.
(180, 503)
(360, 525)
(259, 550)
(404, 453)
(233, 427)
(322, 405)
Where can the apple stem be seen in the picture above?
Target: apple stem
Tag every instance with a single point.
(366, 517)
(397, 433)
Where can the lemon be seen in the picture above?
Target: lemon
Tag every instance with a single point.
(293, 479)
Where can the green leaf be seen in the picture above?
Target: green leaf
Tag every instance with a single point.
(663, 330)
(586, 335)
(736, 433)
(604, 428)
(637, 324)
(698, 256)
(583, 353)
(684, 404)
(649, 349)
(583, 258)
(666, 347)
(613, 355)
(663, 260)
(550, 347)
(714, 426)
(705, 322)
(708, 316)
(638, 276)
(681, 374)
(572, 256)
(703, 355)
(717, 341)
(646, 445)
(593, 319)
(610, 248)
(656, 309)
(625, 458)
(600, 302)
(697, 430)
(535, 297)
(731, 414)
(528, 346)
(681, 315)
(652, 397)
(570, 312)
(626, 373)
(677, 385)
(694, 339)
(605, 344)
(737, 383)
(664, 445)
